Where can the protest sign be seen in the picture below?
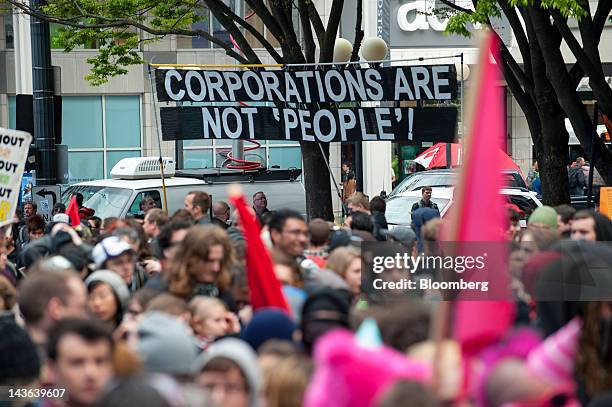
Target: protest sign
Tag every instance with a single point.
(396, 83)
(14, 147)
(309, 125)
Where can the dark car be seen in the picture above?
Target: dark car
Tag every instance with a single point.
(448, 178)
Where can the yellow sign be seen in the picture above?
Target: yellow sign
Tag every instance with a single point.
(605, 201)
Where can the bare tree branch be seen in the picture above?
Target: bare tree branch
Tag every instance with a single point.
(317, 23)
(266, 17)
(327, 51)
(520, 35)
(358, 32)
(601, 16)
(309, 44)
(219, 12)
(581, 57)
(291, 46)
(233, 16)
(456, 7)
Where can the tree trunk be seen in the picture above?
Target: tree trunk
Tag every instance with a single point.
(552, 161)
(552, 141)
(317, 182)
(568, 97)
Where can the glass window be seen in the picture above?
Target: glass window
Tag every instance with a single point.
(82, 121)
(285, 157)
(197, 143)
(105, 201)
(198, 159)
(184, 42)
(122, 121)
(204, 25)
(8, 30)
(290, 142)
(12, 108)
(113, 157)
(525, 204)
(85, 166)
(137, 208)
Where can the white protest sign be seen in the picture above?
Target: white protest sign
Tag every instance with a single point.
(14, 147)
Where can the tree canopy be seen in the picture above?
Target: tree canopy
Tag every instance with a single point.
(544, 83)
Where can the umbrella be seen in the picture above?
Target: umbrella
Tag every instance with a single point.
(435, 157)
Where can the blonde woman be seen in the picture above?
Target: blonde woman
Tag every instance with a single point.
(346, 262)
(287, 382)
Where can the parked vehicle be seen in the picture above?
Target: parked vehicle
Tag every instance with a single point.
(133, 179)
(399, 206)
(448, 178)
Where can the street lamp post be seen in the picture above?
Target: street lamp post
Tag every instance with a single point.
(43, 115)
(374, 49)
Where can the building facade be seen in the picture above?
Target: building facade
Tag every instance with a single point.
(101, 125)
(104, 124)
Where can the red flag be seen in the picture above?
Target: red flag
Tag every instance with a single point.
(73, 212)
(265, 288)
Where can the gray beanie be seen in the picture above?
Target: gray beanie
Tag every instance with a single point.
(165, 345)
(240, 353)
(403, 235)
(116, 283)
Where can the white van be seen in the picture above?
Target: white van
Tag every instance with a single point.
(133, 179)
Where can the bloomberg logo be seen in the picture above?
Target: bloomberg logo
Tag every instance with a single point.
(419, 15)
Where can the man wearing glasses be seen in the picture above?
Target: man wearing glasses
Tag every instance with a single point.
(260, 204)
(289, 233)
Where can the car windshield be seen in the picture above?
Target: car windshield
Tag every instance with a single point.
(444, 179)
(106, 202)
(426, 179)
(398, 208)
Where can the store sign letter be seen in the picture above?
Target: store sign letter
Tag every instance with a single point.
(418, 15)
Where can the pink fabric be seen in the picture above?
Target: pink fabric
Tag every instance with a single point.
(479, 214)
(348, 374)
(518, 345)
(553, 360)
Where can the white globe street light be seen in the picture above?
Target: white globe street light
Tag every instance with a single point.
(374, 49)
(466, 71)
(342, 50)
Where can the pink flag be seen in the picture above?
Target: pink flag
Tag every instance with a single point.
(479, 214)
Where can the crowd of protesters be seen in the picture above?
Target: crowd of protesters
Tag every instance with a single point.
(156, 311)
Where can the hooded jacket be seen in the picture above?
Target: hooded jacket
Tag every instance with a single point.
(240, 353)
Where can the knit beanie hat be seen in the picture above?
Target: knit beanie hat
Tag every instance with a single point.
(240, 353)
(114, 281)
(544, 214)
(165, 345)
(19, 359)
(268, 323)
(553, 360)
